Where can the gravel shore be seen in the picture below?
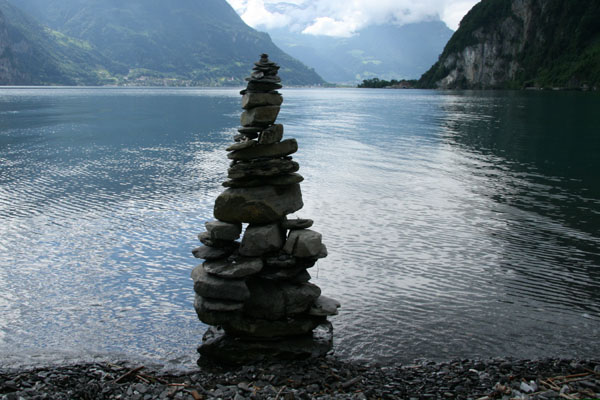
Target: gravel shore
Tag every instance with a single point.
(324, 378)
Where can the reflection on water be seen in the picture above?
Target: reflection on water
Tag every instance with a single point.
(458, 224)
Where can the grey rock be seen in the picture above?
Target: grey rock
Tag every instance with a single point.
(220, 230)
(217, 288)
(251, 130)
(294, 224)
(251, 100)
(262, 86)
(243, 144)
(278, 180)
(284, 261)
(259, 116)
(259, 205)
(303, 243)
(206, 304)
(272, 300)
(324, 306)
(299, 297)
(287, 274)
(323, 253)
(253, 169)
(223, 348)
(211, 253)
(275, 150)
(206, 240)
(302, 277)
(272, 134)
(239, 267)
(261, 239)
(239, 325)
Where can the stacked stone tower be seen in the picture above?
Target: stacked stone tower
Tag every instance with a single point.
(256, 291)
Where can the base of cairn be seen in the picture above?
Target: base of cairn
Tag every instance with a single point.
(220, 348)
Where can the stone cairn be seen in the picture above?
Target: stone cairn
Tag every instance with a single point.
(256, 292)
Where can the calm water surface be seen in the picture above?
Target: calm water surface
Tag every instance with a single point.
(459, 224)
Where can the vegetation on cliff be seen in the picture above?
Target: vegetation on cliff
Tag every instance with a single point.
(31, 54)
(522, 43)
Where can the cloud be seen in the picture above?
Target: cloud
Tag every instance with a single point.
(344, 18)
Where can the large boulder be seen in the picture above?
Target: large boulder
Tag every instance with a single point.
(258, 205)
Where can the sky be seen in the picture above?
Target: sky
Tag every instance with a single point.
(343, 18)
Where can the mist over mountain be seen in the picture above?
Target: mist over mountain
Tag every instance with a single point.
(195, 42)
(383, 51)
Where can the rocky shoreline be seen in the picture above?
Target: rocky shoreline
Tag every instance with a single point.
(321, 378)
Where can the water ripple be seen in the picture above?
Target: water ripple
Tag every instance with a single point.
(450, 233)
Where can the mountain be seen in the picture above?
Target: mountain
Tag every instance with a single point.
(177, 41)
(383, 51)
(522, 43)
(31, 54)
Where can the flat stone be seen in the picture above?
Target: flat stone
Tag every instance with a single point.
(262, 87)
(294, 224)
(275, 150)
(227, 245)
(259, 116)
(239, 267)
(217, 288)
(220, 230)
(211, 253)
(272, 134)
(303, 243)
(324, 306)
(258, 205)
(261, 328)
(249, 130)
(262, 239)
(277, 180)
(284, 274)
(284, 261)
(219, 347)
(253, 169)
(273, 300)
(251, 100)
(241, 145)
(205, 304)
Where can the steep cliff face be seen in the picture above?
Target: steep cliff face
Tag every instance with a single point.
(521, 43)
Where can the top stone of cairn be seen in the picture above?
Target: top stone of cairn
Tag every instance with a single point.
(263, 78)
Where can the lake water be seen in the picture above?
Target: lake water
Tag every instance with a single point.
(459, 224)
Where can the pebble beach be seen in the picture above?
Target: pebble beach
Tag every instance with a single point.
(321, 378)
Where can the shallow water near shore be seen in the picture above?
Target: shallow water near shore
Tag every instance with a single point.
(459, 224)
